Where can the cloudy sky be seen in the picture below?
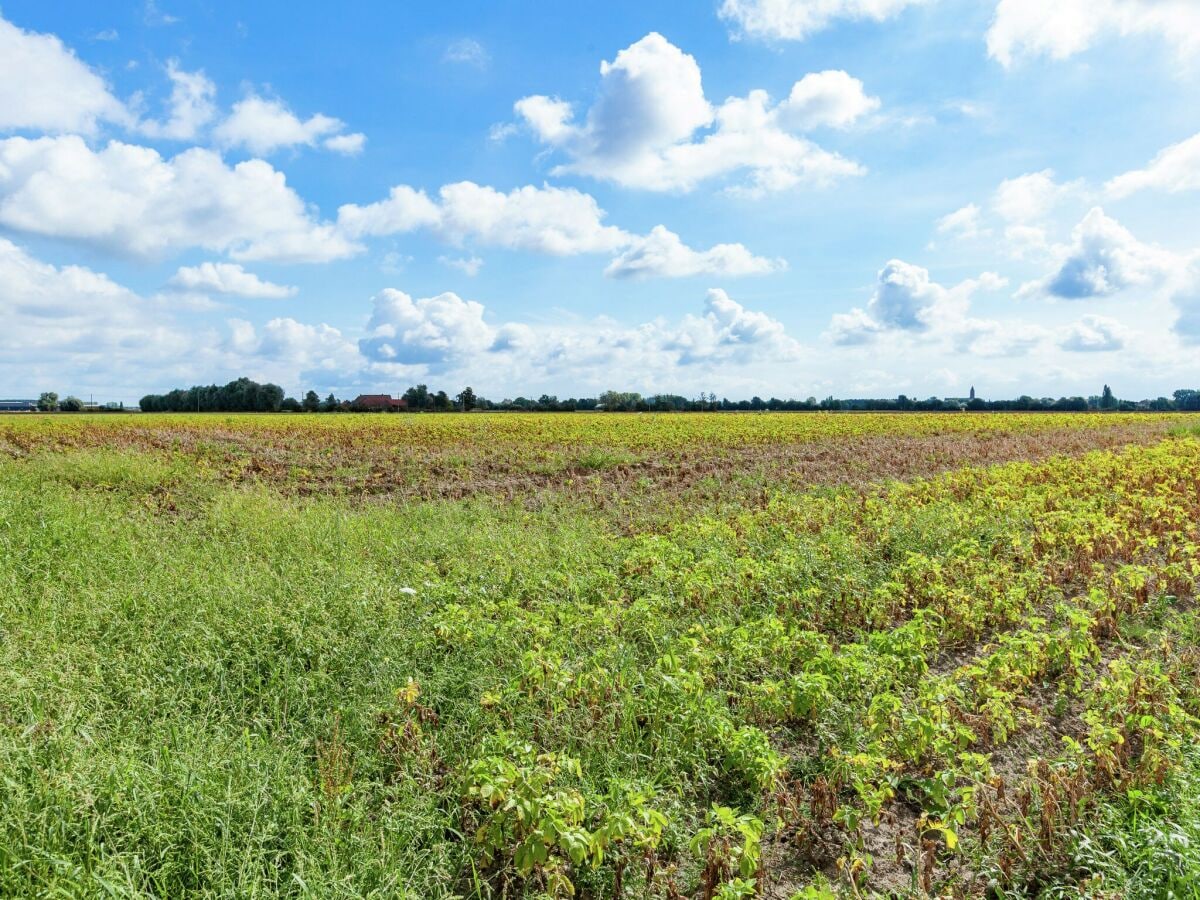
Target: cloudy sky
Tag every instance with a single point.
(775, 197)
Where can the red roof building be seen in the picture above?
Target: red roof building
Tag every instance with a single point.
(378, 401)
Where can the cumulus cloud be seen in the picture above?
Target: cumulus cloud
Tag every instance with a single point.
(1093, 334)
(434, 334)
(557, 221)
(831, 98)
(45, 87)
(431, 331)
(642, 130)
(1029, 28)
(1185, 295)
(284, 344)
(1030, 198)
(906, 301)
(230, 279)
(1103, 258)
(1019, 209)
(1175, 169)
(263, 126)
(729, 332)
(794, 20)
(72, 326)
(346, 144)
(662, 254)
(129, 199)
(191, 105)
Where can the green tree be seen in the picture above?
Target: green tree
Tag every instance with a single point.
(418, 397)
(331, 404)
(1107, 400)
(312, 402)
(48, 401)
(466, 399)
(71, 404)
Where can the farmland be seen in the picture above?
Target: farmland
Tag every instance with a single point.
(599, 655)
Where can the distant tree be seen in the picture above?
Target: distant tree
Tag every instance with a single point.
(71, 404)
(312, 402)
(291, 404)
(622, 401)
(1107, 400)
(1187, 400)
(441, 401)
(466, 399)
(331, 404)
(48, 401)
(417, 397)
(242, 395)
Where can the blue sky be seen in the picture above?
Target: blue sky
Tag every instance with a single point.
(775, 197)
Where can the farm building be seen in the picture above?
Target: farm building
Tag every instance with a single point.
(18, 406)
(378, 402)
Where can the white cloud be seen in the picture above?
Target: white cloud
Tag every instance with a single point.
(228, 278)
(131, 200)
(1063, 28)
(191, 105)
(1176, 168)
(557, 221)
(468, 265)
(964, 222)
(906, 301)
(1030, 198)
(45, 87)
(729, 332)
(980, 338)
(294, 347)
(467, 51)
(75, 330)
(1019, 208)
(262, 126)
(65, 327)
(641, 130)
(431, 331)
(1103, 258)
(408, 336)
(830, 98)
(1185, 297)
(906, 298)
(346, 144)
(1093, 334)
(155, 17)
(794, 20)
(662, 254)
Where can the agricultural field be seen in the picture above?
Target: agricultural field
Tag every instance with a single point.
(675, 656)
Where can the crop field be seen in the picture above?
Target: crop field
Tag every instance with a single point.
(674, 656)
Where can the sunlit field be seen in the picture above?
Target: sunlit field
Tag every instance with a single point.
(641, 656)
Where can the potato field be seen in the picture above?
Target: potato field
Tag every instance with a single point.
(600, 655)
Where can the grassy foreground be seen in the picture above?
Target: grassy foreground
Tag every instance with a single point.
(984, 682)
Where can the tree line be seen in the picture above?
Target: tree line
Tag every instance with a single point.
(245, 395)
